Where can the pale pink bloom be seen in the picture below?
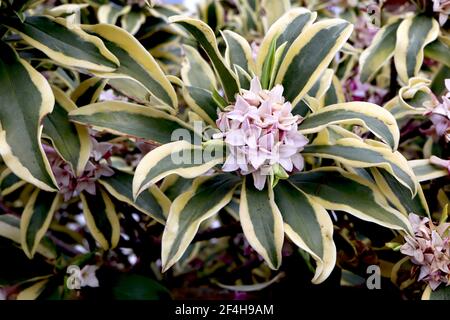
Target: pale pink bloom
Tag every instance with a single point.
(110, 95)
(88, 278)
(71, 185)
(429, 248)
(439, 114)
(414, 249)
(255, 45)
(355, 90)
(420, 225)
(443, 8)
(365, 31)
(260, 132)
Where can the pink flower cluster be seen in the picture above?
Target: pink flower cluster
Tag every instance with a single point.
(440, 114)
(355, 90)
(429, 249)
(71, 185)
(443, 8)
(261, 132)
(365, 31)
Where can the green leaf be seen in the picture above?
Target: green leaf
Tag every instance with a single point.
(308, 225)
(36, 219)
(335, 189)
(379, 52)
(66, 43)
(413, 34)
(136, 63)
(123, 118)
(101, 218)
(137, 287)
(309, 55)
(268, 65)
(202, 102)
(71, 141)
(25, 99)
(154, 202)
(355, 153)
(179, 157)
(10, 229)
(400, 196)
(205, 36)
(206, 197)
(195, 71)
(262, 222)
(438, 50)
(373, 117)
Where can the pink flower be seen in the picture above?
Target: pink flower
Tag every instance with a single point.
(261, 131)
(439, 114)
(255, 45)
(443, 8)
(365, 31)
(429, 248)
(355, 90)
(71, 185)
(110, 95)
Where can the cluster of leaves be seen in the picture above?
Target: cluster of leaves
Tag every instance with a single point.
(93, 93)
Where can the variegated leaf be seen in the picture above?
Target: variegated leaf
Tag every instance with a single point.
(400, 196)
(204, 199)
(36, 219)
(195, 71)
(238, 52)
(136, 63)
(309, 55)
(179, 157)
(205, 36)
(356, 153)
(153, 203)
(101, 218)
(9, 182)
(335, 189)
(10, 229)
(284, 30)
(373, 117)
(438, 50)
(66, 43)
(379, 52)
(308, 225)
(202, 102)
(71, 141)
(413, 34)
(88, 91)
(262, 222)
(425, 170)
(123, 118)
(26, 98)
